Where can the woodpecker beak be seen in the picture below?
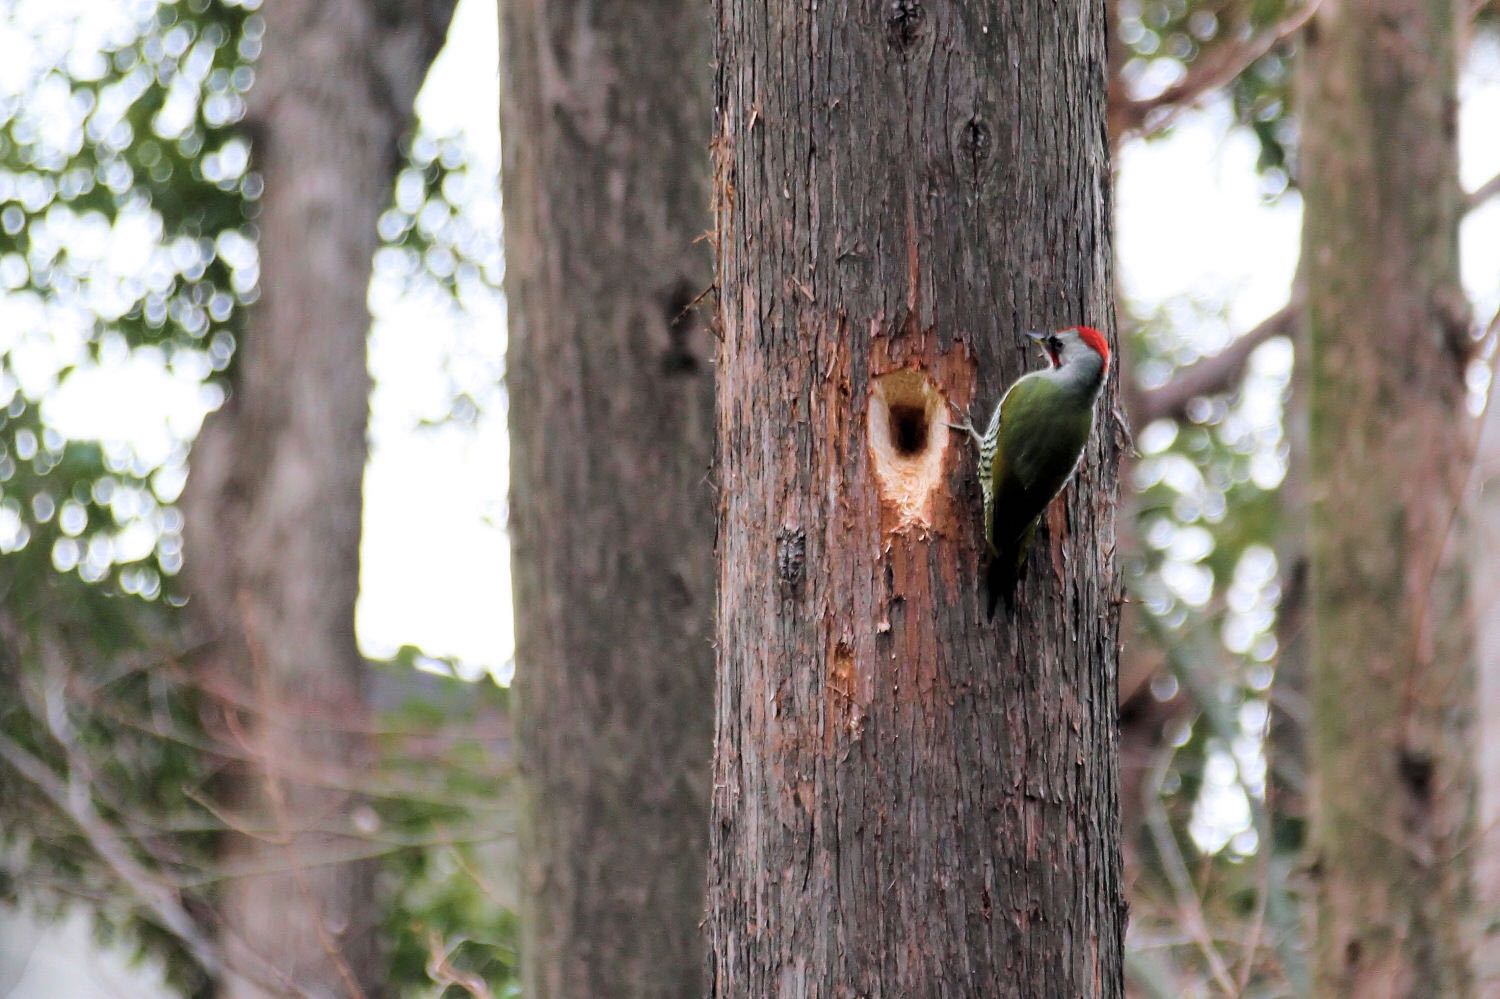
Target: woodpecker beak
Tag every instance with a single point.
(1040, 339)
(1044, 341)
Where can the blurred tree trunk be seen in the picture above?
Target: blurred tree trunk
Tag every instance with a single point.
(1391, 655)
(908, 799)
(273, 503)
(1146, 719)
(1484, 562)
(605, 119)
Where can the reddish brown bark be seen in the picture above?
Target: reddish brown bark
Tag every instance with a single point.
(908, 799)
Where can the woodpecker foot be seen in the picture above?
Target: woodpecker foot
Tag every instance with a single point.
(967, 426)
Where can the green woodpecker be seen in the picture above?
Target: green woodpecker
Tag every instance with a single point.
(1032, 446)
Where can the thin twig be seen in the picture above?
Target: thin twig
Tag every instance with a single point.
(1482, 194)
(441, 970)
(1190, 910)
(1262, 899)
(1182, 661)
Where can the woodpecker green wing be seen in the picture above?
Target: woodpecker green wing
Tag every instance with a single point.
(1039, 443)
(1040, 434)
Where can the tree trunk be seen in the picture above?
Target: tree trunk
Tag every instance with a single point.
(1387, 328)
(908, 800)
(605, 119)
(1484, 567)
(274, 500)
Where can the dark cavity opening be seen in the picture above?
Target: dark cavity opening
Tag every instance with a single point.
(1416, 770)
(908, 429)
(680, 312)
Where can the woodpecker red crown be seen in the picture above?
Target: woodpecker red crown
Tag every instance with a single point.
(1096, 340)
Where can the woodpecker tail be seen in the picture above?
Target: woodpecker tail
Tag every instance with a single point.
(1004, 572)
(1000, 582)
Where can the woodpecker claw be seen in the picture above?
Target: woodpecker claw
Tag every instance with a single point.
(967, 426)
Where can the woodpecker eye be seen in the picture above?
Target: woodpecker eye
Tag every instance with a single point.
(1054, 347)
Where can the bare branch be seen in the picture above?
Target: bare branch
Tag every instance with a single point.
(1189, 908)
(1214, 374)
(441, 970)
(73, 791)
(74, 801)
(1222, 371)
(1482, 194)
(357, 850)
(1215, 68)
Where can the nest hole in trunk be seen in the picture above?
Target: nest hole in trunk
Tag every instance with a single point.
(908, 436)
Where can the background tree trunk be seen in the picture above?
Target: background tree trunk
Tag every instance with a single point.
(605, 120)
(908, 800)
(1387, 329)
(1484, 562)
(273, 504)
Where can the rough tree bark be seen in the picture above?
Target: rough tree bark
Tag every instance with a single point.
(1387, 332)
(908, 800)
(605, 120)
(273, 502)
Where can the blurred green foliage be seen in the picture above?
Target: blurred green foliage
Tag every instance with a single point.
(1207, 520)
(450, 893)
(1165, 39)
(1207, 523)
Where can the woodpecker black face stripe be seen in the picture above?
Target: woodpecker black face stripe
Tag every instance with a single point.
(1055, 348)
(1051, 346)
